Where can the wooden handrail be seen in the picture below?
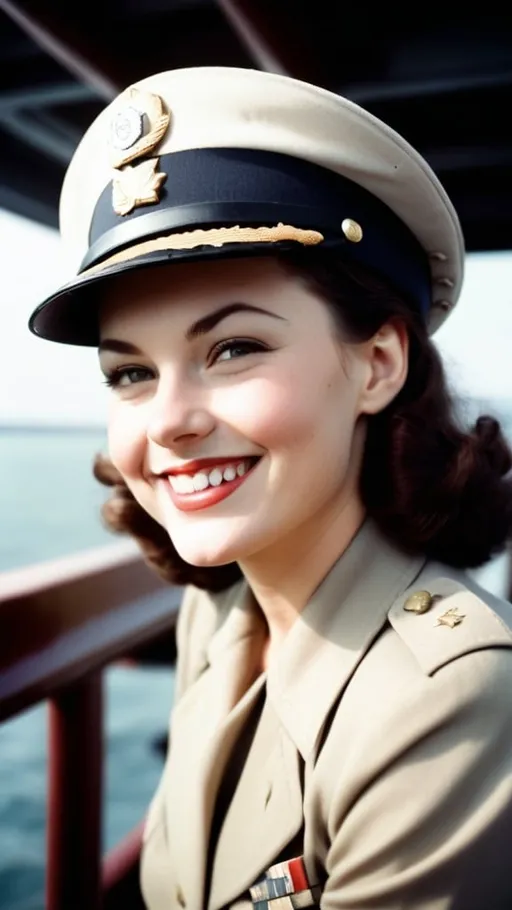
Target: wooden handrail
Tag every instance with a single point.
(62, 620)
(61, 623)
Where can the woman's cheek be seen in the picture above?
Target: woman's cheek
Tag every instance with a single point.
(269, 412)
(126, 440)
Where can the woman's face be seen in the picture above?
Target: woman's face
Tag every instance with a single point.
(235, 405)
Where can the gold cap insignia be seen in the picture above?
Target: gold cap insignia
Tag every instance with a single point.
(136, 129)
(451, 618)
(126, 128)
(137, 185)
(419, 602)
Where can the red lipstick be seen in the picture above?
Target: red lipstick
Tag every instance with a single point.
(194, 500)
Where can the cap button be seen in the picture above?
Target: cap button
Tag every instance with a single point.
(352, 230)
(419, 602)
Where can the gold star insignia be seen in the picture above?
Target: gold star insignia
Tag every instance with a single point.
(451, 618)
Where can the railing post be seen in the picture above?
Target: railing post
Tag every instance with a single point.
(74, 796)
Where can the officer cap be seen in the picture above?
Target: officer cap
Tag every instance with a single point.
(221, 162)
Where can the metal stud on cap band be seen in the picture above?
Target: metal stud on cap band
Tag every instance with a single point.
(352, 230)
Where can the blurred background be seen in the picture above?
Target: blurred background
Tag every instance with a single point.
(444, 82)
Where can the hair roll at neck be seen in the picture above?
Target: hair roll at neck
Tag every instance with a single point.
(431, 485)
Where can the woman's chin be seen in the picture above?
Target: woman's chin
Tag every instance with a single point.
(208, 547)
(208, 553)
(209, 560)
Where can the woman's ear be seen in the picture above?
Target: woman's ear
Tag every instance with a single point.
(387, 360)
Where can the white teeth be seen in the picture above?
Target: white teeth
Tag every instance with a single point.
(200, 481)
(215, 477)
(184, 483)
(181, 483)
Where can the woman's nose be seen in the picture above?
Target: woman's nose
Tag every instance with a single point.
(179, 413)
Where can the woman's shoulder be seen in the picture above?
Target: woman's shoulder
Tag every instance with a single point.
(439, 674)
(446, 615)
(444, 657)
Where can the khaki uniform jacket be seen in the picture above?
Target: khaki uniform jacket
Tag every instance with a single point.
(391, 761)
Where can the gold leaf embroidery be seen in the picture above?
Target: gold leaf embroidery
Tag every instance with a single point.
(189, 240)
(137, 185)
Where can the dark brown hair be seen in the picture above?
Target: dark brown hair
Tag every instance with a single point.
(430, 485)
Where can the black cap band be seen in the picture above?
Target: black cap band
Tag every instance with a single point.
(222, 187)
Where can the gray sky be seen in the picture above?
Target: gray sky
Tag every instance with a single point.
(49, 383)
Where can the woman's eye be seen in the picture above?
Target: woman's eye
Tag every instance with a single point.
(234, 348)
(123, 377)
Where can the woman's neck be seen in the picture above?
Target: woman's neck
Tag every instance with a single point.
(283, 578)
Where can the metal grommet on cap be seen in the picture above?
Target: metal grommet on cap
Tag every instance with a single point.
(352, 230)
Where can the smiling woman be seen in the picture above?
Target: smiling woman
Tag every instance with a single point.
(239, 385)
(282, 442)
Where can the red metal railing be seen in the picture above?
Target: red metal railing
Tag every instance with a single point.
(61, 624)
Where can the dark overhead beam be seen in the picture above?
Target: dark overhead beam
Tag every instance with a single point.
(273, 38)
(39, 96)
(370, 92)
(479, 158)
(253, 30)
(45, 137)
(59, 41)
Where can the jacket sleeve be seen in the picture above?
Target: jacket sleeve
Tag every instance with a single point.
(430, 827)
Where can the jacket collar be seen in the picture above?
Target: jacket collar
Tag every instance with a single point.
(336, 628)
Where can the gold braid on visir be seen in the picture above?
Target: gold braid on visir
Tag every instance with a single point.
(189, 240)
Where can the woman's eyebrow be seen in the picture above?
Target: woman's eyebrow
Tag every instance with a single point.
(118, 347)
(207, 323)
(201, 327)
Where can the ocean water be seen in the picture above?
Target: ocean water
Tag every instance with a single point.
(49, 500)
(49, 507)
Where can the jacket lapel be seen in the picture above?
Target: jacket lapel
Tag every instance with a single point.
(265, 816)
(310, 671)
(205, 725)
